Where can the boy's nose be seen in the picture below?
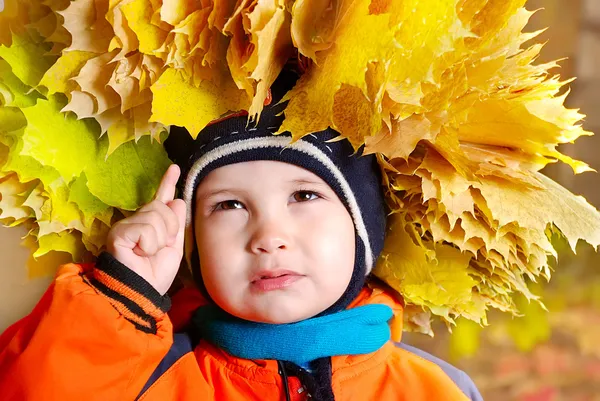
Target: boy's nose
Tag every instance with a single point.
(268, 239)
(268, 245)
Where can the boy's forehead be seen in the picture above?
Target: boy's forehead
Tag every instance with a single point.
(256, 173)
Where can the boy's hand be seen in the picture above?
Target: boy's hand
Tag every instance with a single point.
(150, 242)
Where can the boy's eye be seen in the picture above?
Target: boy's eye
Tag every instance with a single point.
(303, 196)
(229, 205)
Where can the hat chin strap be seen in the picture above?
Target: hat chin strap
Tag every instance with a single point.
(357, 282)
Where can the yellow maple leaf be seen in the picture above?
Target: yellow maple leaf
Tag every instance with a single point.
(270, 30)
(314, 24)
(12, 195)
(35, 200)
(89, 29)
(19, 17)
(505, 123)
(402, 138)
(490, 17)
(139, 15)
(126, 82)
(442, 284)
(369, 39)
(238, 51)
(95, 240)
(93, 79)
(536, 209)
(417, 319)
(46, 265)
(196, 44)
(56, 79)
(426, 39)
(58, 214)
(66, 241)
(11, 16)
(131, 125)
(194, 107)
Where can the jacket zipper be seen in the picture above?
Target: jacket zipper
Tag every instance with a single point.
(292, 386)
(284, 378)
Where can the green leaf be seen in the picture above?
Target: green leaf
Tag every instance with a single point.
(66, 241)
(57, 140)
(58, 214)
(27, 59)
(90, 206)
(96, 239)
(130, 175)
(13, 92)
(26, 167)
(3, 157)
(11, 119)
(35, 200)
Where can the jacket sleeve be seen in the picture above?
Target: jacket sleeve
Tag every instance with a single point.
(98, 333)
(460, 378)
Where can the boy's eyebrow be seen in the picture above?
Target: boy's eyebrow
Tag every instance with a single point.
(305, 181)
(215, 192)
(232, 191)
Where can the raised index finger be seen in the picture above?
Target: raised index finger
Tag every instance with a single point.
(166, 190)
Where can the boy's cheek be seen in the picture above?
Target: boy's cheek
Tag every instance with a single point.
(217, 236)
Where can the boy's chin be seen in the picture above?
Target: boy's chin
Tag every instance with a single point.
(278, 308)
(279, 315)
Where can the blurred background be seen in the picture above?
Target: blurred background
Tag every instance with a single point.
(544, 356)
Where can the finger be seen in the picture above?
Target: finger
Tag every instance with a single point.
(170, 219)
(141, 237)
(178, 207)
(166, 190)
(152, 218)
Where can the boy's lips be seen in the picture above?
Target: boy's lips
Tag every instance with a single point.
(270, 280)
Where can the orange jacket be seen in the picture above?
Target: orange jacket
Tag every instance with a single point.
(93, 337)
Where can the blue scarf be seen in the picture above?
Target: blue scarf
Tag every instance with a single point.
(355, 331)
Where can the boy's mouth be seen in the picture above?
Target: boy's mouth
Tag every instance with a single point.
(274, 280)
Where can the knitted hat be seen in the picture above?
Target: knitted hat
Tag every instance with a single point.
(355, 178)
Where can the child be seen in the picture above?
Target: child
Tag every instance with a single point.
(281, 238)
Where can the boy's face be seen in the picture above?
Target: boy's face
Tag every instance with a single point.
(276, 244)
